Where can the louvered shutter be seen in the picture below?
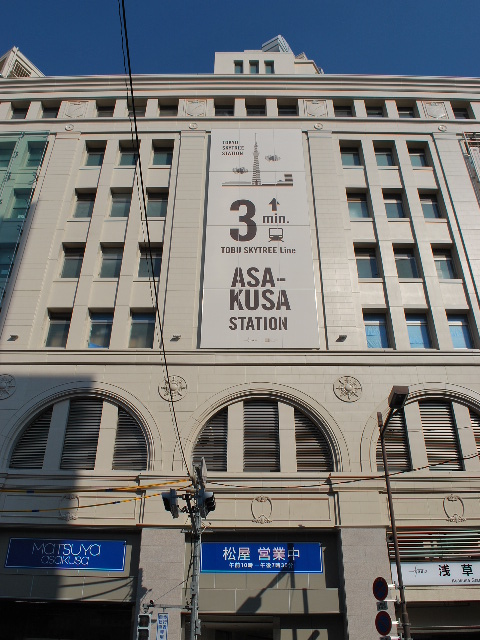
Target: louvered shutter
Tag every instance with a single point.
(29, 451)
(261, 447)
(212, 443)
(313, 451)
(421, 544)
(81, 435)
(440, 434)
(475, 420)
(396, 445)
(130, 450)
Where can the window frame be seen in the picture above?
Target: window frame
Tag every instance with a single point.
(57, 319)
(387, 153)
(444, 256)
(354, 152)
(116, 198)
(358, 197)
(72, 256)
(82, 197)
(418, 152)
(347, 109)
(144, 262)
(157, 151)
(238, 67)
(97, 319)
(366, 258)
(157, 196)
(421, 320)
(92, 152)
(406, 256)
(256, 110)
(371, 107)
(127, 152)
(390, 198)
(460, 320)
(253, 67)
(138, 319)
(429, 203)
(111, 255)
(373, 319)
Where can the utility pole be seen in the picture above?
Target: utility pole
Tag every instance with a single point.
(198, 506)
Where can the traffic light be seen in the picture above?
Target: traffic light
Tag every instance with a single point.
(143, 626)
(170, 501)
(205, 502)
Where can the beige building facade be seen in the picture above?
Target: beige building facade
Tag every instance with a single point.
(303, 242)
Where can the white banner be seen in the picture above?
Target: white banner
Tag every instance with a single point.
(442, 572)
(258, 287)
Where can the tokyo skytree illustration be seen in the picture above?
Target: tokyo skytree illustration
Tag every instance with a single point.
(256, 166)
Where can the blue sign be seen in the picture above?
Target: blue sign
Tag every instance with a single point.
(87, 555)
(261, 557)
(162, 626)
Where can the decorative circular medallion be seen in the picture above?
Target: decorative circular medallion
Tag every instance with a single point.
(69, 127)
(442, 127)
(261, 507)
(68, 507)
(454, 508)
(7, 386)
(318, 125)
(176, 390)
(347, 389)
(193, 125)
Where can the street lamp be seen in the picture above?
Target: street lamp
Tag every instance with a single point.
(396, 401)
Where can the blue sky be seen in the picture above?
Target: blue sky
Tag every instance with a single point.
(398, 37)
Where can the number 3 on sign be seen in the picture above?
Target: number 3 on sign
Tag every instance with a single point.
(251, 231)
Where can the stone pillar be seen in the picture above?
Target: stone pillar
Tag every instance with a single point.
(160, 574)
(365, 557)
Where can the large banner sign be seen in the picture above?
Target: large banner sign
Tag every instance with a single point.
(42, 553)
(258, 275)
(261, 557)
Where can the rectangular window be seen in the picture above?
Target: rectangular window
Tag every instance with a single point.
(343, 111)
(84, 203)
(418, 333)
(287, 109)
(94, 156)
(72, 262)
(142, 330)
(162, 156)
(157, 202)
(6, 151)
(406, 263)
(375, 111)
(254, 66)
(256, 110)
(100, 330)
(405, 111)
(384, 157)
(238, 66)
(459, 331)
(34, 154)
(140, 109)
(168, 109)
(105, 110)
(111, 262)
(376, 330)
(430, 206)
(120, 205)
(444, 265)
(418, 157)
(461, 113)
(19, 113)
(367, 266)
(128, 155)
(269, 67)
(19, 204)
(394, 205)
(350, 156)
(59, 326)
(224, 109)
(50, 110)
(145, 264)
(357, 205)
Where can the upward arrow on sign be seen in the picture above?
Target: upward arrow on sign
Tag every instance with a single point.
(274, 204)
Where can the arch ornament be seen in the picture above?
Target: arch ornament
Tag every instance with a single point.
(282, 393)
(442, 391)
(76, 389)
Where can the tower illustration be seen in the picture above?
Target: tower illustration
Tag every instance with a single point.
(256, 166)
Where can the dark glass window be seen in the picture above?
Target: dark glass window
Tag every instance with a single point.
(72, 261)
(142, 330)
(343, 111)
(111, 262)
(58, 330)
(418, 157)
(84, 204)
(94, 156)
(157, 203)
(100, 330)
(406, 263)
(376, 330)
(145, 265)
(350, 156)
(367, 266)
(394, 206)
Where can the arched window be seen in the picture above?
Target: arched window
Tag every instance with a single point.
(264, 428)
(396, 445)
(77, 424)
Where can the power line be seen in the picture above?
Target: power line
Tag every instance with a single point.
(125, 48)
